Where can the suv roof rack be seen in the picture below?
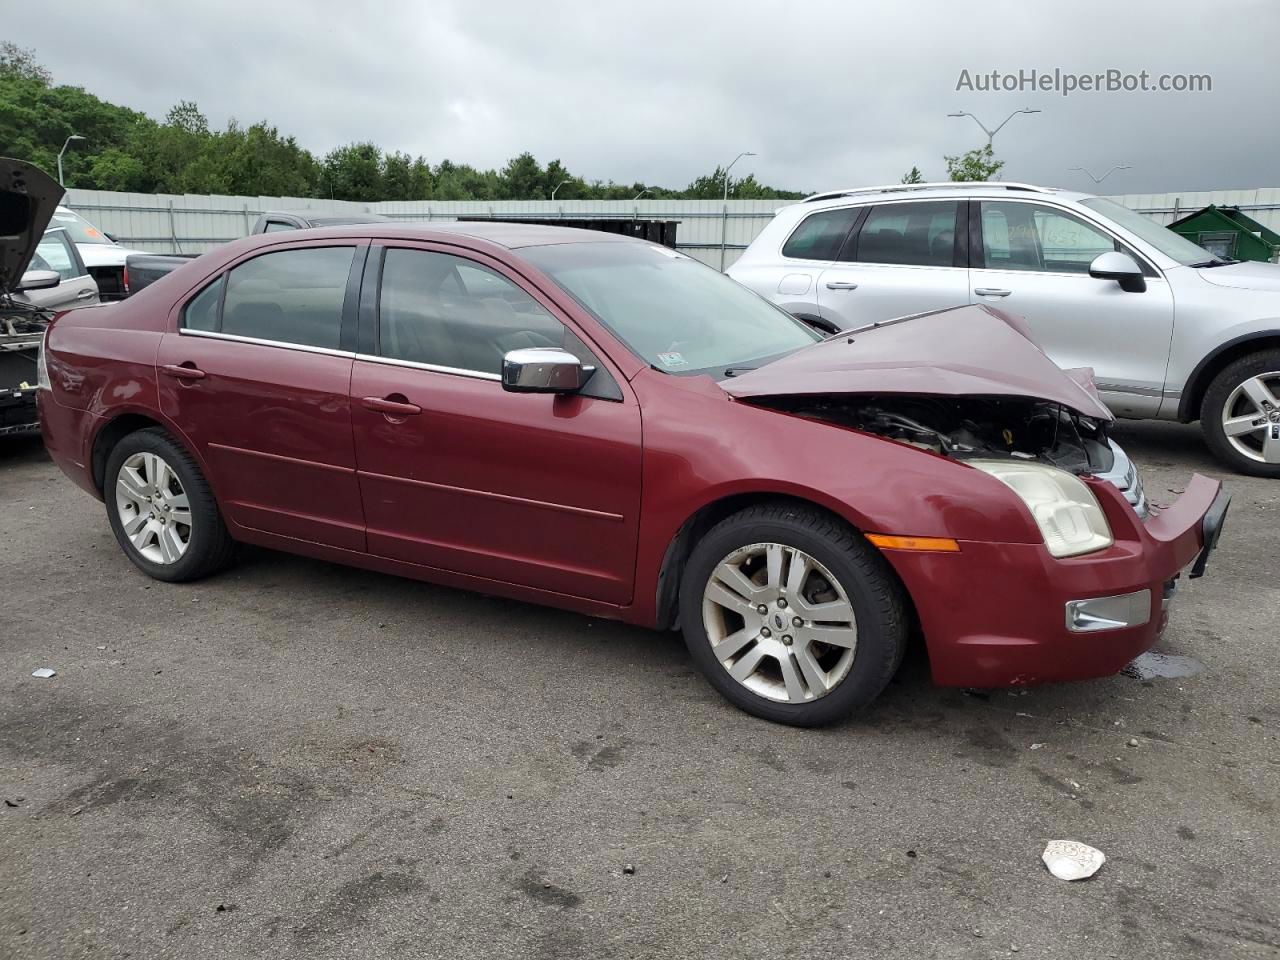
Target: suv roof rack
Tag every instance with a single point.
(936, 185)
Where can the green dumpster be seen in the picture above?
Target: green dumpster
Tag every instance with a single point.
(1227, 232)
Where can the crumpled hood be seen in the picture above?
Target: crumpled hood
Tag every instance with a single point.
(972, 350)
(1247, 275)
(28, 197)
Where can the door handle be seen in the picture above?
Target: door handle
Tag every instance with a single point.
(84, 294)
(392, 408)
(182, 371)
(991, 291)
(841, 285)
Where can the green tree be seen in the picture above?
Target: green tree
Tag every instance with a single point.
(523, 179)
(354, 172)
(976, 165)
(21, 62)
(913, 176)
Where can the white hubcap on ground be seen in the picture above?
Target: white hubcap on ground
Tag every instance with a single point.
(779, 622)
(153, 508)
(1251, 418)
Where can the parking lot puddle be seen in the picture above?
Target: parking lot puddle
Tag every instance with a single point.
(1149, 665)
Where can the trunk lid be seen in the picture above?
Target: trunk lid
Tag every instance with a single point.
(972, 350)
(28, 197)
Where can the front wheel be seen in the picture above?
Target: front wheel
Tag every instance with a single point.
(792, 615)
(1240, 415)
(161, 509)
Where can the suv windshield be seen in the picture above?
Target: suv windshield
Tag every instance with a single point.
(80, 229)
(1162, 238)
(677, 314)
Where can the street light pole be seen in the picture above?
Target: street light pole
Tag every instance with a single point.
(74, 136)
(724, 219)
(991, 134)
(641, 193)
(1089, 173)
(558, 186)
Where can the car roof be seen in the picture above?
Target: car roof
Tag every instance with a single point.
(323, 217)
(935, 191)
(510, 234)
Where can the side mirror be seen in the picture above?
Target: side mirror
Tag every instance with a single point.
(543, 370)
(110, 237)
(38, 280)
(1121, 268)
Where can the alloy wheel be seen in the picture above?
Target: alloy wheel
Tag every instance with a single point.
(779, 622)
(153, 508)
(1251, 418)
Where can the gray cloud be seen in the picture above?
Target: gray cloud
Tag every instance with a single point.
(827, 93)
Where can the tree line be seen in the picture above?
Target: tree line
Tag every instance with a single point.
(127, 150)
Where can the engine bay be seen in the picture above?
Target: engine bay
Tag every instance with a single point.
(967, 427)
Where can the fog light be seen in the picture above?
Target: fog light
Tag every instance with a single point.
(1109, 613)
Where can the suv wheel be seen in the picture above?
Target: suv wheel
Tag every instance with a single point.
(1240, 415)
(792, 615)
(161, 509)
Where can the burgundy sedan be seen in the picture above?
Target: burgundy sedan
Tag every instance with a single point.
(605, 425)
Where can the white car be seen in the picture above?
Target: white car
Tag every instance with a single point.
(104, 258)
(1170, 330)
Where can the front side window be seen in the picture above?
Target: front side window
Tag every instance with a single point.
(820, 235)
(53, 252)
(1028, 236)
(916, 234)
(292, 296)
(673, 312)
(445, 311)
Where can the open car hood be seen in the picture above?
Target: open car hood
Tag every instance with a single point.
(28, 197)
(961, 351)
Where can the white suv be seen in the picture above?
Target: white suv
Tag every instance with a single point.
(1170, 330)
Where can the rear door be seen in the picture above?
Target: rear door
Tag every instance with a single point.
(905, 257)
(75, 288)
(538, 490)
(256, 374)
(1032, 259)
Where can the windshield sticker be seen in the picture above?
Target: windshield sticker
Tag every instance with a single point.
(672, 359)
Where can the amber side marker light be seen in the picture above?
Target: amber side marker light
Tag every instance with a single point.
(887, 541)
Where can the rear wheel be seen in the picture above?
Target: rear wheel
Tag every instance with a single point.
(792, 615)
(1240, 415)
(161, 509)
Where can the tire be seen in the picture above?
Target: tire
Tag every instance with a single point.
(169, 549)
(1233, 395)
(715, 622)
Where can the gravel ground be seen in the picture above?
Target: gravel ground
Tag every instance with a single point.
(296, 759)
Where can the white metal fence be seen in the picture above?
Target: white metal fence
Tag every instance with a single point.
(187, 223)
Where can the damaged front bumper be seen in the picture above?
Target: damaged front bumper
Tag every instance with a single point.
(999, 614)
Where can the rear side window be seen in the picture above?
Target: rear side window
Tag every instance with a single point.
(820, 235)
(917, 234)
(442, 310)
(293, 296)
(202, 311)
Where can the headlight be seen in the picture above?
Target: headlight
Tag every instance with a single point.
(42, 366)
(1065, 510)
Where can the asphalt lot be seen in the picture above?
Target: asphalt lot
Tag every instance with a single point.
(298, 759)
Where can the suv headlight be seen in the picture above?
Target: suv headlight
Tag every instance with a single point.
(1065, 510)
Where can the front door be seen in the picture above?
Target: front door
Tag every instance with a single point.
(1033, 260)
(257, 378)
(906, 257)
(455, 473)
(75, 288)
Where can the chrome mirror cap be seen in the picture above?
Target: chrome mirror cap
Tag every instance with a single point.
(1114, 265)
(543, 370)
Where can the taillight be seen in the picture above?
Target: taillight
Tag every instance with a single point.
(124, 278)
(42, 367)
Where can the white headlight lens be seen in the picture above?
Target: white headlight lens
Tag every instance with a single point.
(1065, 510)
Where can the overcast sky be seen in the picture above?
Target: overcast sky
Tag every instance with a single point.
(827, 93)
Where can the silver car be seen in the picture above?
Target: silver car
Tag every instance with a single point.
(1170, 330)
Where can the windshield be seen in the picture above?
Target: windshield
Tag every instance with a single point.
(677, 314)
(1162, 238)
(80, 229)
